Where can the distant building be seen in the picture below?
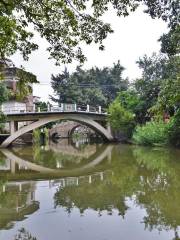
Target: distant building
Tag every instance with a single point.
(10, 78)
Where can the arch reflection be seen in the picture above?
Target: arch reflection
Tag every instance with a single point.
(53, 162)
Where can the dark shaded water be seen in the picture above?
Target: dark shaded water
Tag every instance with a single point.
(92, 192)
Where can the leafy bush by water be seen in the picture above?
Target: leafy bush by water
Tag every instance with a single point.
(121, 118)
(152, 133)
(174, 130)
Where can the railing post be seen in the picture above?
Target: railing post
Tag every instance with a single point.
(87, 109)
(62, 107)
(34, 108)
(75, 107)
(77, 181)
(39, 110)
(99, 109)
(90, 179)
(101, 176)
(13, 166)
(48, 107)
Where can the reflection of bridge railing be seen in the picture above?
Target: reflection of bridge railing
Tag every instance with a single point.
(19, 187)
(75, 181)
(55, 108)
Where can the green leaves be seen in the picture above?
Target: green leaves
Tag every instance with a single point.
(152, 133)
(24, 84)
(121, 118)
(94, 86)
(170, 42)
(3, 93)
(169, 93)
(66, 24)
(3, 97)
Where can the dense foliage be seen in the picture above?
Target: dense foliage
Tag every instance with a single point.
(94, 86)
(120, 118)
(152, 133)
(25, 79)
(170, 42)
(174, 130)
(3, 97)
(154, 99)
(24, 84)
(65, 24)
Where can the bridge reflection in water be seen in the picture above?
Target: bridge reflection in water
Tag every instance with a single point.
(18, 198)
(120, 185)
(65, 160)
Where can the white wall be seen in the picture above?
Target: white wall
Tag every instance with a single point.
(13, 107)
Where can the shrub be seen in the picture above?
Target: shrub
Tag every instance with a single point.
(120, 118)
(152, 133)
(174, 130)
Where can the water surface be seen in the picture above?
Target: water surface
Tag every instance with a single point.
(90, 191)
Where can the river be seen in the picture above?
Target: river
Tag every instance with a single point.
(83, 191)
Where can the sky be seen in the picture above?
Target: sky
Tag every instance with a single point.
(133, 37)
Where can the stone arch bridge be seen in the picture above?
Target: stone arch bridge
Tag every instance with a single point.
(94, 120)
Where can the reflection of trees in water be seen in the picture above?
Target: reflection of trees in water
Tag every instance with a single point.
(100, 197)
(106, 195)
(23, 234)
(2, 159)
(160, 184)
(16, 204)
(149, 176)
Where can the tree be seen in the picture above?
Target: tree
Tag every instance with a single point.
(168, 99)
(155, 70)
(24, 84)
(3, 93)
(24, 79)
(3, 97)
(94, 86)
(66, 89)
(42, 105)
(170, 42)
(121, 118)
(65, 24)
(131, 101)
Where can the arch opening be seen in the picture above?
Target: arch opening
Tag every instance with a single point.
(85, 120)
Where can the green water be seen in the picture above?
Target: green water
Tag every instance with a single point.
(90, 192)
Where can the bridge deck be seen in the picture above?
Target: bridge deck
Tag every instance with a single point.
(28, 116)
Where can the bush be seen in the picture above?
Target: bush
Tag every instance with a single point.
(120, 118)
(174, 130)
(152, 133)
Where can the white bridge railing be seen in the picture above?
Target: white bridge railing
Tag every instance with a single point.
(54, 108)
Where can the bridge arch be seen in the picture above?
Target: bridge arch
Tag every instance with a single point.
(85, 120)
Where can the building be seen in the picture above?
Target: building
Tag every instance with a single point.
(9, 75)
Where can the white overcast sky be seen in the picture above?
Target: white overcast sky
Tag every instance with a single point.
(133, 37)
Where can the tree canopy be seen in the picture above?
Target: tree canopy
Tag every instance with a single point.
(3, 97)
(65, 24)
(94, 86)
